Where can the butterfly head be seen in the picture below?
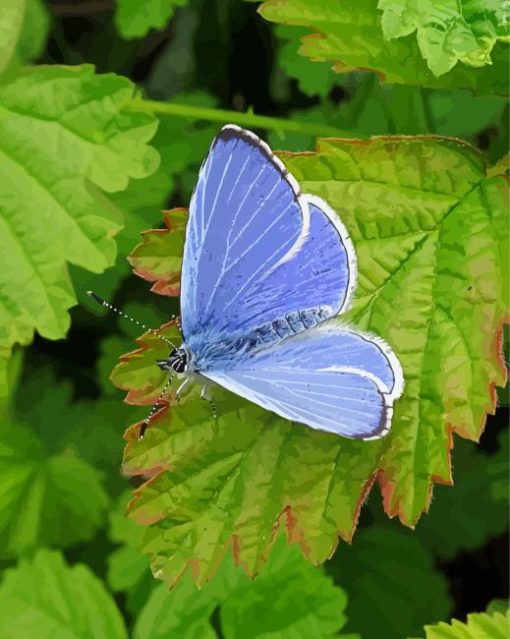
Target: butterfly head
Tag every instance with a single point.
(176, 361)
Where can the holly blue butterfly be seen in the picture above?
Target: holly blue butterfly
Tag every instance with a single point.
(265, 269)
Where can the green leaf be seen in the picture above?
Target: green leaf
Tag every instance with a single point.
(23, 29)
(53, 500)
(389, 573)
(63, 134)
(11, 21)
(289, 598)
(475, 509)
(313, 78)
(134, 19)
(449, 32)
(430, 235)
(350, 37)
(478, 626)
(45, 598)
(128, 569)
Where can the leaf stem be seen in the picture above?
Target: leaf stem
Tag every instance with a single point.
(235, 117)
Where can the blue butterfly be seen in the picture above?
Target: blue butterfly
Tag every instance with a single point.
(265, 267)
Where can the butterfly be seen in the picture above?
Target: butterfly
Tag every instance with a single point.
(265, 270)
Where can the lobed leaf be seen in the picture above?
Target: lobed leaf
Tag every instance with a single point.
(45, 598)
(289, 598)
(63, 134)
(134, 19)
(478, 626)
(429, 228)
(350, 37)
(450, 32)
(45, 499)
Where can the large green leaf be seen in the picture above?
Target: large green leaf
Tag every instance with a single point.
(289, 598)
(135, 19)
(63, 134)
(448, 32)
(350, 37)
(45, 598)
(429, 228)
(481, 625)
(391, 574)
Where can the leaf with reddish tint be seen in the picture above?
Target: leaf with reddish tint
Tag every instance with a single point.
(429, 228)
(355, 36)
(158, 258)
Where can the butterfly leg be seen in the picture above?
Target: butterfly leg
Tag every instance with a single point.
(184, 386)
(205, 395)
(154, 408)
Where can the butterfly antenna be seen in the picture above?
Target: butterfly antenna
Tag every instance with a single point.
(102, 302)
(154, 408)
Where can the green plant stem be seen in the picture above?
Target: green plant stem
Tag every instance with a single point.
(235, 117)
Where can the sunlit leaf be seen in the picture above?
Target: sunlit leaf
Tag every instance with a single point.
(478, 626)
(349, 36)
(430, 235)
(45, 598)
(449, 32)
(63, 134)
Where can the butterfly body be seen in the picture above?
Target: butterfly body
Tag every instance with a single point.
(265, 270)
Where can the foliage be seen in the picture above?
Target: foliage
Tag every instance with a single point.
(478, 626)
(46, 499)
(45, 598)
(350, 36)
(448, 33)
(90, 156)
(375, 581)
(477, 507)
(23, 29)
(134, 18)
(447, 355)
(289, 597)
(63, 139)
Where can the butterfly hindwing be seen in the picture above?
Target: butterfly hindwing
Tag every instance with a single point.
(330, 378)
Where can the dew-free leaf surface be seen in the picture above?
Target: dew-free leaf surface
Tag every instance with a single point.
(429, 229)
(135, 19)
(481, 625)
(449, 32)
(289, 598)
(349, 36)
(45, 598)
(45, 499)
(63, 138)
